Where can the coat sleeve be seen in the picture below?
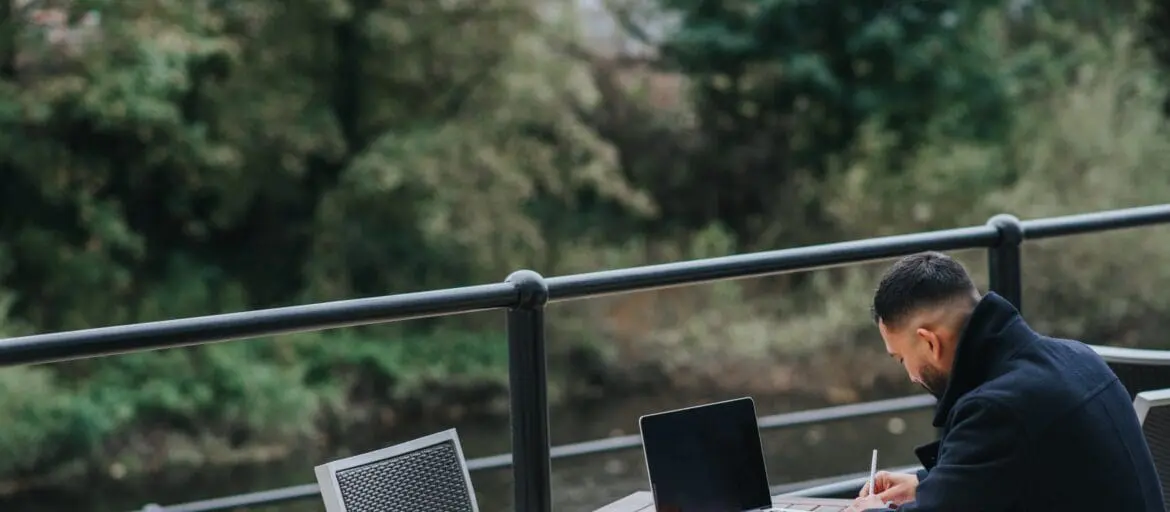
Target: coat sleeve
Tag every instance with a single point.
(979, 463)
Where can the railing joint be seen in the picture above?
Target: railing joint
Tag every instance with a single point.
(1010, 228)
(1003, 258)
(531, 287)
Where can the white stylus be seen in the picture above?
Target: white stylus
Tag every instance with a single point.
(872, 472)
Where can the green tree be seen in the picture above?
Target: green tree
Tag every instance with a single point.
(371, 152)
(169, 158)
(780, 89)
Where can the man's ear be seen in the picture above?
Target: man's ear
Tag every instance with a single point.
(933, 343)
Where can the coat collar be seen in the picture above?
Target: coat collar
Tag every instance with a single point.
(928, 454)
(981, 347)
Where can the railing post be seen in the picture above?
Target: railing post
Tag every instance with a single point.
(528, 387)
(1003, 260)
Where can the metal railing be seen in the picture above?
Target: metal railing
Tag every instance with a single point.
(525, 294)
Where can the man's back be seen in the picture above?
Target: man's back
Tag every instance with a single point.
(1088, 452)
(1034, 423)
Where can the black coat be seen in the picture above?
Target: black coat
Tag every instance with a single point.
(1032, 423)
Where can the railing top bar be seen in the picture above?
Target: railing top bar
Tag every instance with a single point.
(102, 341)
(44, 348)
(1093, 222)
(757, 264)
(605, 282)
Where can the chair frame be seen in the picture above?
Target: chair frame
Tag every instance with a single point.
(1147, 400)
(1125, 355)
(327, 473)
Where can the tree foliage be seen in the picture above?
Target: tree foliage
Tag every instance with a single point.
(196, 142)
(170, 158)
(780, 89)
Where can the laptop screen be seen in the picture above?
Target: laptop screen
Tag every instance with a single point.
(706, 459)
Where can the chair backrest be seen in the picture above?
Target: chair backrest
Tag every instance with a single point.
(428, 473)
(1153, 411)
(1139, 369)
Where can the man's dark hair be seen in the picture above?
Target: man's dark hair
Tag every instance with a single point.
(920, 281)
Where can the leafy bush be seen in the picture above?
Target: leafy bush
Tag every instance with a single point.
(261, 392)
(45, 425)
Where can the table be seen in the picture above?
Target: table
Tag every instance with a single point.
(644, 502)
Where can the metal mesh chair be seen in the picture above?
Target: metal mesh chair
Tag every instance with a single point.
(428, 474)
(1153, 410)
(1139, 369)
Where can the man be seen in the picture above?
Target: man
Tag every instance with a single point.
(1029, 423)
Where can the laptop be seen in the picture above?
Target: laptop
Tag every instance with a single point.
(707, 458)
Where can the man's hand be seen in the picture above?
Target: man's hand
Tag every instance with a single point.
(895, 488)
(866, 503)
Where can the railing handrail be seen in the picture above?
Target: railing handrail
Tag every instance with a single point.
(113, 340)
(118, 339)
(758, 264)
(526, 293)
(103, 341)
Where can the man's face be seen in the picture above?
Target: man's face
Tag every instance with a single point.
(919, 350)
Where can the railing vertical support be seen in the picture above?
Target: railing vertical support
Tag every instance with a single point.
(528, 387)
(1003, 259)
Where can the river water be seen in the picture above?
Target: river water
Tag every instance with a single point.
(579, 484)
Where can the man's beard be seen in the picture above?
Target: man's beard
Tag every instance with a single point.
(934, 381)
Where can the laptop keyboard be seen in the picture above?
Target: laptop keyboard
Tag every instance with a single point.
(781, 506)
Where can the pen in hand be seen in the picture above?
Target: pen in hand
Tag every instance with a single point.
(872, 472)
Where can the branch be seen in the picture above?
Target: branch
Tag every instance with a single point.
(623, 15)
(623, 61)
